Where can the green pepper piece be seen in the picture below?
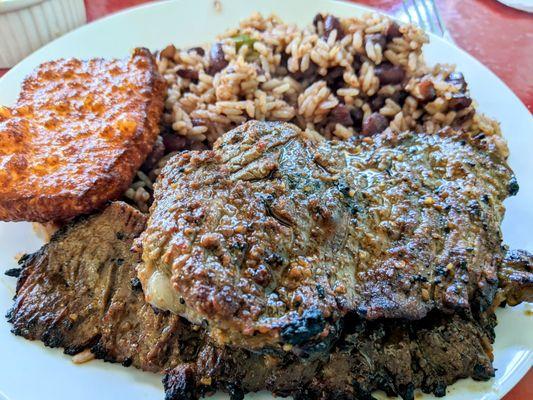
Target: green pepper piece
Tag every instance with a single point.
(241, 40)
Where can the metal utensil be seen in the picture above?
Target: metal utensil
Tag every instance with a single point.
(425, 14)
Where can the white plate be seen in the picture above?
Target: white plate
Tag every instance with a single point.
(29, 371)
(524, 5)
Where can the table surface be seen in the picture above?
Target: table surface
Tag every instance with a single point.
(498, 36)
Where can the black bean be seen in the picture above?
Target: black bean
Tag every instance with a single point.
(303, 328)
(187, 73)
(407, 392)
(399, 97)
(457, 79)
(127, 362)
(136, 284)
(362, 311)
(310, 73)
(158, 151)
(389, 74)
(455, 76)
(376, 38)
(217, 62)
(357, 117)
(426, 91)
(174, 142)
(459, 101)
(377, 102)
(13, 272)
(393, 30)
(341, 115)
(274, 259)
(374, 123)
(482, 373)
(513, 186)
(168, 52)
(440, 390)
(344, 188)
(200, 51)
(318, 18)
(235, 391)
(357, 62)
(331, 23)
(320, 290)
(334, 78)
(474, 208)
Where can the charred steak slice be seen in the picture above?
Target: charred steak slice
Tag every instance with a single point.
(516, 277)
(135, 334)
(396, 356)
(272, 237)
(79, 291)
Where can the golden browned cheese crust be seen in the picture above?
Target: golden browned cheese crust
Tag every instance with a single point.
(77, 135)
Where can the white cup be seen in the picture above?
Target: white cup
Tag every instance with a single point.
(26, 25)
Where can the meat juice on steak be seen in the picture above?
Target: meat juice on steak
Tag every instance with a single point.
(273, 236)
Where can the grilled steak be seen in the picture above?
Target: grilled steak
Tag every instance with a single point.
(78, 134)
(271, 237)
(394, 356)
(80, 292)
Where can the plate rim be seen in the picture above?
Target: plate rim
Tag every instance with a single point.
(525, 362)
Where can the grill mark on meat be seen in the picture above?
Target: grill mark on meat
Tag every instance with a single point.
(239, 160)
(110, 286)
(516, 278)
(278, 218)
(161, 347)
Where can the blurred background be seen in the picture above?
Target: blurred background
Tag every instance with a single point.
(499, 36)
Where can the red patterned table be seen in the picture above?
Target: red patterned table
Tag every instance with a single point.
(498, 36)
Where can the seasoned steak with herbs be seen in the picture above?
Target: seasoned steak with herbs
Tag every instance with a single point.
(80, 292)
(273, 236)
